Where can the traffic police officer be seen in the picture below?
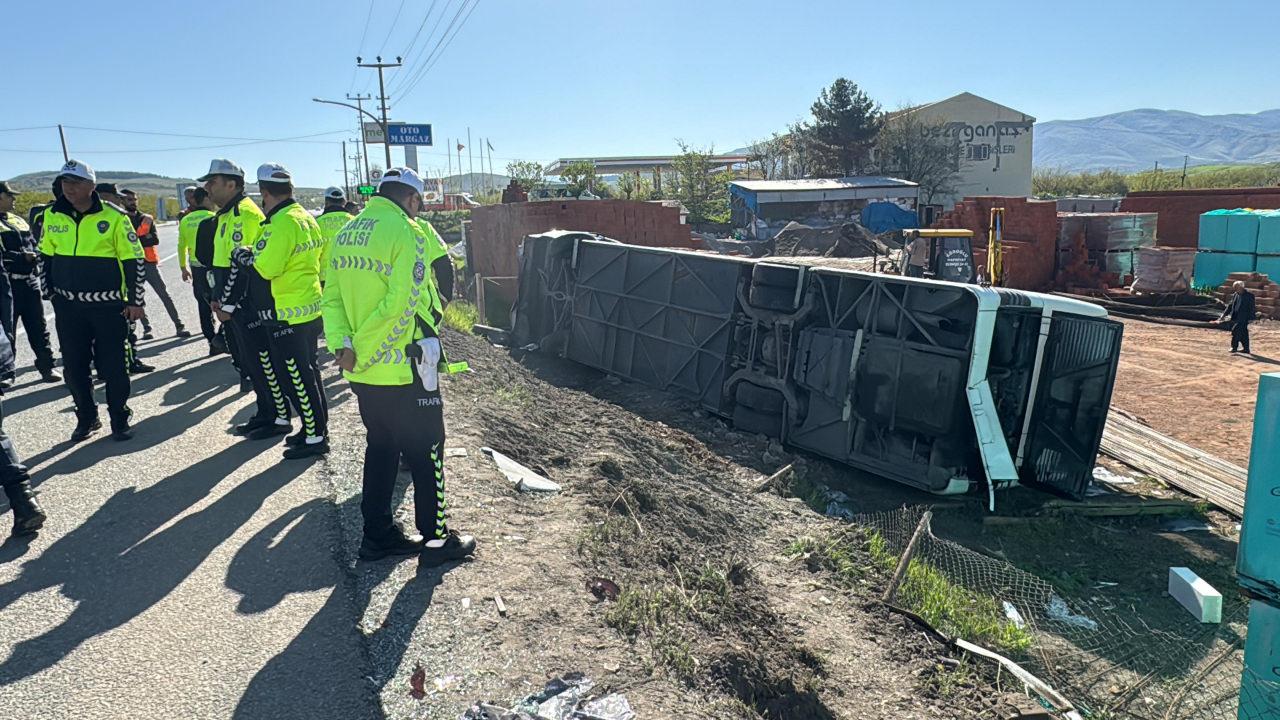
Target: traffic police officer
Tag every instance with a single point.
(93, 271)
(332, 219)
(239, 222)
(145, 226)
(194, 271)
(381, 314)
(280, 275)
(28, 517)
(22, 266)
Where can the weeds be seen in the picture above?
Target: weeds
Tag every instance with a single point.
(944, 682)
(514, 395)
(949, 608)
(461, 316)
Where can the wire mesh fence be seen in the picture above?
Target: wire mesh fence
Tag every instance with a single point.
(1110, 659)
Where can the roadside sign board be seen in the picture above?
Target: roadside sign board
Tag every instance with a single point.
(366, 189)
(373, 133)
(409, 134)
(376, 174)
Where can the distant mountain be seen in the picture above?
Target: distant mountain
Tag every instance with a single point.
(141, 183)
(1136, 139)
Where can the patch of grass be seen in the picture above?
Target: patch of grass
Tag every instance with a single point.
(958, 612)
(595, 540)
(946, 683)
(516, 395)
(461, 316)
(658, 614)
(815, 496)
(851, 555)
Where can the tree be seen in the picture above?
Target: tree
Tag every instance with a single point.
(527, 174)
(915, 148)
(634, 186)
(845, 124)
(768, 157)
(580, 175)
(702, 190)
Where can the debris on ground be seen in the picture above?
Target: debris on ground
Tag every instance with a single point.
(604, 588)
(563, 698)
(1058, 610)
(1192, 592)
(525, 480)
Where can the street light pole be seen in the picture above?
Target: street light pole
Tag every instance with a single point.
(380, 123)
(364, 149)
(346, 177)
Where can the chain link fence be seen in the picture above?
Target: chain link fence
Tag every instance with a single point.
(1108, 660)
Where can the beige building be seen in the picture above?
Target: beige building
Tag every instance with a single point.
(995, 145)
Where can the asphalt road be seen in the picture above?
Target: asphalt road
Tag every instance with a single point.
(184, 573)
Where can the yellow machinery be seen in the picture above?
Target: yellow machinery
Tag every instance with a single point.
(941, 253)
(995, 248)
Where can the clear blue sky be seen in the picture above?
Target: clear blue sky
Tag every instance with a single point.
(554, 78)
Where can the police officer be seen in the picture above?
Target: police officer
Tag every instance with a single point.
(280, 276)
(145, 226)
(193, 270)
(239, 222)
(331, 219)
(110, 194)
(93, 271)
(381, 314)
(22, 266)
(28, 517)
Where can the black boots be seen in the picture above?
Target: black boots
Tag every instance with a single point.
(86, 426)
(28, 518)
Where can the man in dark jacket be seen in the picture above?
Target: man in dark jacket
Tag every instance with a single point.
(145, 226)
(1241, 311)
(22, 269)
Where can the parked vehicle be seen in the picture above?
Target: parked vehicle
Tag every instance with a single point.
(943, 386)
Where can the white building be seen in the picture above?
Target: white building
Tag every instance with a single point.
(995, 145)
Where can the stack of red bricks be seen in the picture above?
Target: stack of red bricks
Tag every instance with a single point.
(1266, 294)
(1029, 233)
(498, 230)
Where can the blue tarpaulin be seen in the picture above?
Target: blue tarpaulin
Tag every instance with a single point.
(881, 217)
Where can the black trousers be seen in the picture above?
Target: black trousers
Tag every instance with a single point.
(12, 472)
(156, 281)
(200, 288)
(29, 308)
(293, 348)
(402, 421)
(94, 333)
(254, 342)
(1240, 336)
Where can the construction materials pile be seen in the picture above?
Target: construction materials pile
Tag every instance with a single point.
(1237, 241)
(1108, 241)
(847, 239)
(1266, 293)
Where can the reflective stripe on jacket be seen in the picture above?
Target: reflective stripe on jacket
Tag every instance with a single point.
(94, 257)
(379, 293)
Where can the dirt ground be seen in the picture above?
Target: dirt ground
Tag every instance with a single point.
(717, 618)
(1183, 382)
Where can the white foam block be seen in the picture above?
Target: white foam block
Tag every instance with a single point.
(1196, 595)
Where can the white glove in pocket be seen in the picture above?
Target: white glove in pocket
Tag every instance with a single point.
(429, 364)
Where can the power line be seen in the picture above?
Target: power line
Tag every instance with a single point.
(37, 127)
(439, 54)
(260, 141)
(392, 28)
(188, 135)
(414, 42)
(360, 47)
(415, 63)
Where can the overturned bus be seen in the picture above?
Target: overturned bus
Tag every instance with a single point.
(942, 386)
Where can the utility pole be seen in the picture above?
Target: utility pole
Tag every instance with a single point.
(487, 144)
(382, 96)
(360, 124)
(346, 176)
(1185, 158)
(363, 180)
(63, 136)
(471, 164)
(448, 153)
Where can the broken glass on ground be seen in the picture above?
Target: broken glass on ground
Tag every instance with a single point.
(563, 698)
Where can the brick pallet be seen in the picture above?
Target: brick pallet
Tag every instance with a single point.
(1266, 293)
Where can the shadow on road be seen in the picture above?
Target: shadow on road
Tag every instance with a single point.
(118, 564)
(287, 686)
